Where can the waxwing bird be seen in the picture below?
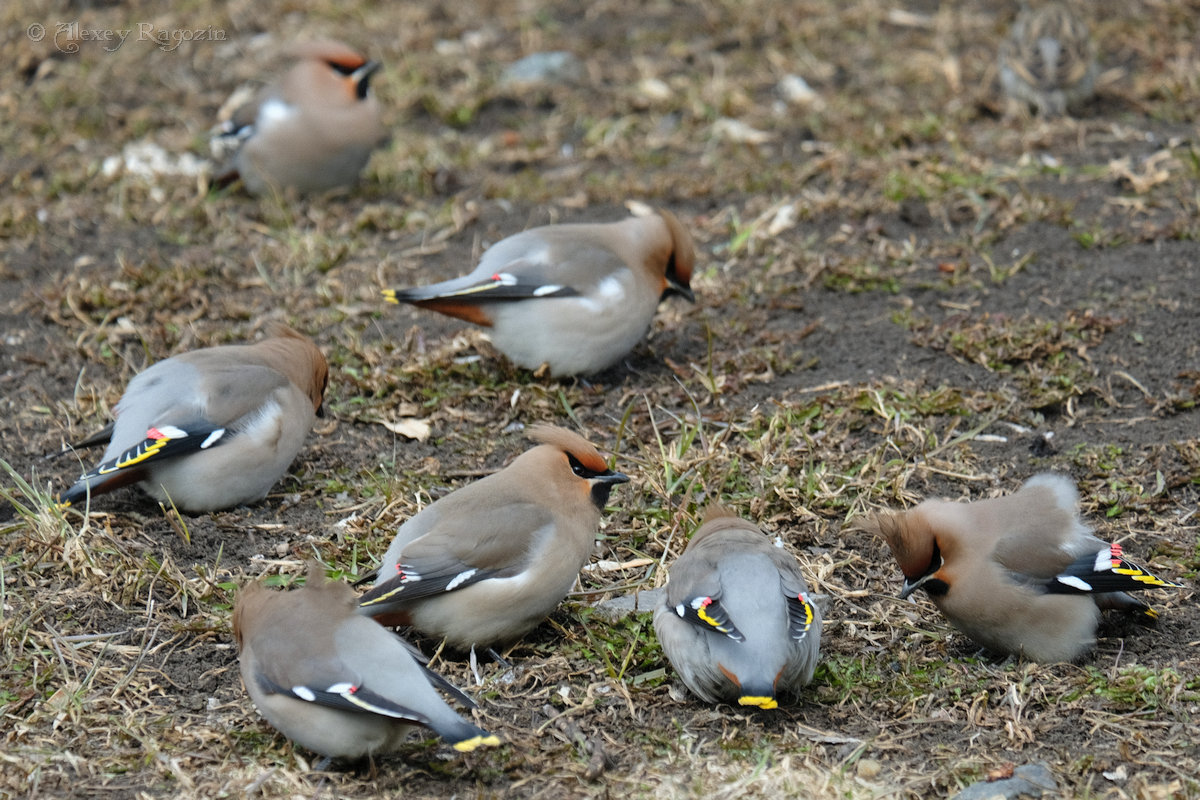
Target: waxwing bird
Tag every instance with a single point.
(212, 428)
(576, 297)
(313, 130)
(1048, 60)
(336, 682)
(486, 563)
(736, 622)
(1019, 574)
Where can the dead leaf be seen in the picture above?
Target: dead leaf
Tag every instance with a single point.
(409, 428)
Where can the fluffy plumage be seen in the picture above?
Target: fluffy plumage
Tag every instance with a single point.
(336, 682)
(486, 563)
(737, 623)
(1048, 60)
(313, 130)
(1019, 574)
(212, 428)
(575, 297)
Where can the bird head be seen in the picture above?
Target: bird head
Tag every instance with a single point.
(914, 544)
(335, 70)
(677, 279)
(582, 458)
(299, 359)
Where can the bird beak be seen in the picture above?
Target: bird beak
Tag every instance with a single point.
(911, 586)
(674, 287)
(360, 79)
(366, 70)
(601, 485)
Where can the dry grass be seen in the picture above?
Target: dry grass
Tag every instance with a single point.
(900, 292)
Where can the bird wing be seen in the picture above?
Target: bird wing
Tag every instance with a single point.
(221, 392)
(801, 612)
(706, 612)
(694, 595)
(1038, 532)
(1105, 571)
(342, 695)
(518, 280)
(456, 553)
(801, 615)
(235, 120)
(374, 650)
(163, 442)
(98, 438)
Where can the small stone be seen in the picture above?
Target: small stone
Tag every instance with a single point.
(797, 91)
(557, 66)
(868, 768)
(1031, 780)
(626, 604)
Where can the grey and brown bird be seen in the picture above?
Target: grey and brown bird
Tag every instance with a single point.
(313, 130)
(211, 428)
(334, 681)
(1019, 574)
(1048, 60)
(486, 563)
(737, 622)
(575, 297)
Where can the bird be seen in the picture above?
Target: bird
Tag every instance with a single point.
(312, 130)
(488, 562)
(211, 428)
(575, 297)
(336, 682)
(1048, 60)
(1019, 574)
(736, 621)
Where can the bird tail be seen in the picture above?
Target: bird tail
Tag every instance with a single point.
(1103, 572)
(465, 737)
(757, 691)
(762, 701)
(1128, 604)
(160, 443)
(102, 436)
(96, 483)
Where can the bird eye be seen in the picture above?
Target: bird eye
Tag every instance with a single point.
(578, 468)
(935, 559)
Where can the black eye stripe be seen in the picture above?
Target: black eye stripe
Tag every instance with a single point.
(579, 469)
(935, 559)
(342, 69)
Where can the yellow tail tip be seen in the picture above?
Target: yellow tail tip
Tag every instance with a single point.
(467, 745)
(390, 296)
(762, 702)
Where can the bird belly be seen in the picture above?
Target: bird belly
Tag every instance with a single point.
(1042, 627)
(329, 731)
(493, 611)
(574, 335)
(292, 151)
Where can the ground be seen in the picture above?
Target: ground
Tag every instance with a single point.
(903, 290)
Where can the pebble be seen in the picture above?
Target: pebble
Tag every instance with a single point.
(1030, 780)
(556, 66)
